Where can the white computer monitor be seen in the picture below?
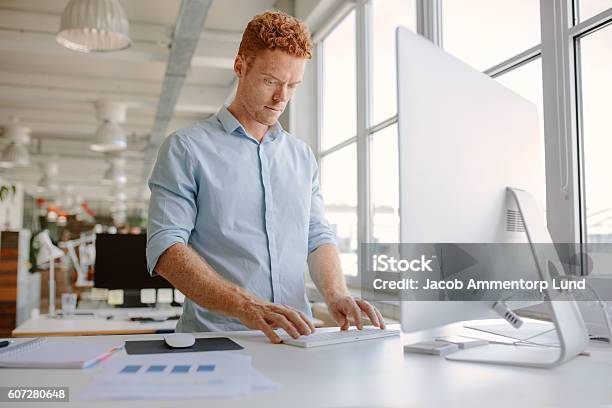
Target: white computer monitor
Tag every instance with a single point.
(463, 139)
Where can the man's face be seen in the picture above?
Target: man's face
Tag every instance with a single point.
(267, 82)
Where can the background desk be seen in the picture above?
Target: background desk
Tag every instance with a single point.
(376, 373)
(97, 324)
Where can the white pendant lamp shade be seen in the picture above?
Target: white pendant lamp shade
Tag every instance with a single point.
(109, 137)
(119, 206)
(117, 193)
(120, 196)
(119, 217)
(48, 182)
(94, 25)
(114, 175)
(16, 153)
(15, 156)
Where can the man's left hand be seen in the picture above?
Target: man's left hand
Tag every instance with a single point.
(346, 308)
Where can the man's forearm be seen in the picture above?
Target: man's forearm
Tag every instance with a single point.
(198, 281)
(326, 272)
(193, 276)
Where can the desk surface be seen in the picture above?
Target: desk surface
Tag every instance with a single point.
(97, 324)
(377, 373)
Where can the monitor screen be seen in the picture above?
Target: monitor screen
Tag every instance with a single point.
(121, 263)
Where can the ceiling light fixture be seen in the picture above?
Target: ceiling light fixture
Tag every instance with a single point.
(117, 193)
(48, 182)
(115, 174)
(16, 153)
(110, 137)
(94, 26)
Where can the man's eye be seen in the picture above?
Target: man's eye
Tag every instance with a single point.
(268, 81)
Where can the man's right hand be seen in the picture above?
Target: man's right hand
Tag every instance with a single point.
(267, 316)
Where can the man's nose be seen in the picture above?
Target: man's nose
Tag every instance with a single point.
(281, 94)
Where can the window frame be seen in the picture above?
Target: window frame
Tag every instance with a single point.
(565, 176)
(563, 136)
(335, 19)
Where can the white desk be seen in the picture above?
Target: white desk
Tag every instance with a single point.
(97, 324)
(376, 373)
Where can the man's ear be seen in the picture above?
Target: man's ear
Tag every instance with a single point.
(240, 66)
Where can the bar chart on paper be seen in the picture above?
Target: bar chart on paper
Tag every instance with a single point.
(168, 369)
(177, 376)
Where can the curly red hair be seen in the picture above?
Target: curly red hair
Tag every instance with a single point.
(276, 30)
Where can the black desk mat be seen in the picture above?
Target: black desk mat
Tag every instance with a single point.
(160, 346)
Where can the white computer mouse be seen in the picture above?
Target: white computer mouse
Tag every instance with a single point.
(179, 340)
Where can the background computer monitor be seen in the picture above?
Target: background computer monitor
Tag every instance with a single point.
(121, 263)
(463, 138)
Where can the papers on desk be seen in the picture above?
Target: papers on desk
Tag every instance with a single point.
(177, 376)
(45, 352)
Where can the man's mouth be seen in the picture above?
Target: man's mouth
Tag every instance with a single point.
(273, 109)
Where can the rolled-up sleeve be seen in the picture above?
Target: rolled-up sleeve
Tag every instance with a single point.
(319, 231)
(172, 206)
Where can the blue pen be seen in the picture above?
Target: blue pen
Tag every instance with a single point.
(4, 343)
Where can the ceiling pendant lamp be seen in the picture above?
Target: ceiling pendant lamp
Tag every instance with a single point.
(115, 174)
(110, 136)
(16, 153)
(94, 26)
(117, 193)
(48, 182)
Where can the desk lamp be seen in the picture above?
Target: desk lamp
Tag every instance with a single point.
(48, 252)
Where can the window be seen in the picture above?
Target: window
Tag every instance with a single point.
(339, 124)
(385, 185)
(484, 33)
(339, 90)
(387, 15)
(596, 81)
(588, 8)
(341, 131)
(500, 38)
(339, 187)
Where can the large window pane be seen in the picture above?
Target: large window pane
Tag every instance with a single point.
(484, 33)
(339, 84)
(385, 185)
(339, 187)
(526, 81)
(387, 15)
(596, 68)
(588, 8)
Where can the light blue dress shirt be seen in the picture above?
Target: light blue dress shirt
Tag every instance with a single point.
(252, 210)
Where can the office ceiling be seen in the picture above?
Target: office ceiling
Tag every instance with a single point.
(52, 90)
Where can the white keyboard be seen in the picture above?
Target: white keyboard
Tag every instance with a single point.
(339, 336)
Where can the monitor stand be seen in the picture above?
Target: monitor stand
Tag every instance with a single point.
(570, 327)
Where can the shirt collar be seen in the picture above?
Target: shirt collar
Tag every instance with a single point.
(228, 121)
(274, 132)
(231, 124)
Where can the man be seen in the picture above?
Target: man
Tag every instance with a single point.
(236, 211)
